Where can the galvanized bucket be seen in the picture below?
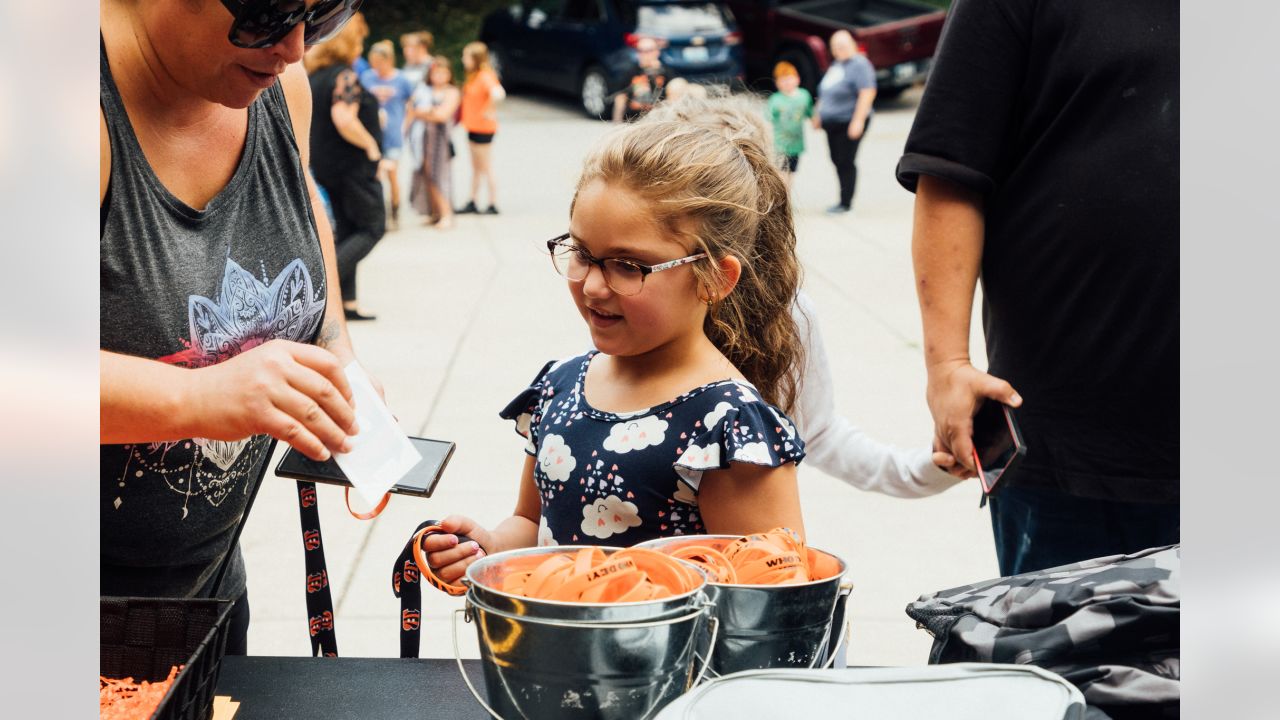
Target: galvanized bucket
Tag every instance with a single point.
(552, 660)
(776, 626)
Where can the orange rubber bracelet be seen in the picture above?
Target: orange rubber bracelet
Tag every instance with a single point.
(386, 497)
(591, 576)
(775, 557)
(421, 561)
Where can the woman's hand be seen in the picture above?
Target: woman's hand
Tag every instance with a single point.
(449, 560)
(373, 153)
(293, 392)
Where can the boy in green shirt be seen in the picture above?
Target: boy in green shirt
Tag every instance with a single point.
(789, 107)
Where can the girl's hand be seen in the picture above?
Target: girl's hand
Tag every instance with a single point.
(449, 560)
(947, 463)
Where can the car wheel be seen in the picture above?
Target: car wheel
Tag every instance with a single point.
(593, 93)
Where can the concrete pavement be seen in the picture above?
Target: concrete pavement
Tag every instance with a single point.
(466, 318)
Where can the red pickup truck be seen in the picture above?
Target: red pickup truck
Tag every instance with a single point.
(898, 36)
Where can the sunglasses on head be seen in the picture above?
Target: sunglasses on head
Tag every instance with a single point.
(263, 23)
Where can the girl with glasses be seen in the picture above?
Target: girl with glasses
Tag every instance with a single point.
(680, 258)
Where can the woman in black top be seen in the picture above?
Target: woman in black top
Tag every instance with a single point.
(345, 151)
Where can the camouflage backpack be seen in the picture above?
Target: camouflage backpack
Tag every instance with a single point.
(1108, 625)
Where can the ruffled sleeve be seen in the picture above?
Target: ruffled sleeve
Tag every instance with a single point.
(526, 409)
(751, 432)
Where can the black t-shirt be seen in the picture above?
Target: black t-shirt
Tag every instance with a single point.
(1064, 115)
(332, 156)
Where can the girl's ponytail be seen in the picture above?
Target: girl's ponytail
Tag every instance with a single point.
(754, 326)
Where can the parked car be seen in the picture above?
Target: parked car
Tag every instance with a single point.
(898, 36)
(587, 47)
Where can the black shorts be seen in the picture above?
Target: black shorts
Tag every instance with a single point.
(790, 162)
(480, 138)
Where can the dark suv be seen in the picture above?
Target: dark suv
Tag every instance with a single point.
(587, 47)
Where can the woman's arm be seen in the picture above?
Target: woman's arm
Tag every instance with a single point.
(345, 114)
(290, 391)
(860, 112)
(748, 498)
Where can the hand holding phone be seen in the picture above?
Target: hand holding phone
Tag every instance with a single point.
(997, 443)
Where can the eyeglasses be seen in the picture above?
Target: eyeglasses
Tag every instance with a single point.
(263, 23)
(624, 277)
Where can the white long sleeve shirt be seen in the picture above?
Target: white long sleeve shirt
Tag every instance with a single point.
(838, 447)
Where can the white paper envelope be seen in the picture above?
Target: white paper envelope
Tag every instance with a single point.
(381, 453)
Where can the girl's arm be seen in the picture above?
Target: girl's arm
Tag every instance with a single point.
(445, 110)
(750, 498)
(450, 561)
(839, 448)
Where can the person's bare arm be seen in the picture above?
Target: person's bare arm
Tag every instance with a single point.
(104, 158)
(344, 112)
(445, 110)
(449, 560)
(748, 498)
(290, 391)
(946, 252)
(619, 103)
(860, 113)
(346, 120)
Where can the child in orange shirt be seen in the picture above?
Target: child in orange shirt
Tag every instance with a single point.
(481, 93)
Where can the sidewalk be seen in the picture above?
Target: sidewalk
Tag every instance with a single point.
(468, 316)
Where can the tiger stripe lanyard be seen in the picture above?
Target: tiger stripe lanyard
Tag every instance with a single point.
(406, 586)
(324, 641)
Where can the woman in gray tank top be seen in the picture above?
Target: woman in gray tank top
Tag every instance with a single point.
(218, 326)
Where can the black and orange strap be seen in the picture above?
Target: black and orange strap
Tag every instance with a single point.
(410, 567)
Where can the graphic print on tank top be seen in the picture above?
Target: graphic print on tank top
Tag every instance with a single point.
(247, 313)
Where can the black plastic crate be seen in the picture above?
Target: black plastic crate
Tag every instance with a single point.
(144, 638)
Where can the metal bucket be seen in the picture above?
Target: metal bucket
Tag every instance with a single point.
(775, 626)
(553, 660)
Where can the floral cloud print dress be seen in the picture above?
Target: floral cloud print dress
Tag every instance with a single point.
(623, 478)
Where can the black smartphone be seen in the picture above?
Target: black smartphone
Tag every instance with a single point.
(997, 443)
(421, 479)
